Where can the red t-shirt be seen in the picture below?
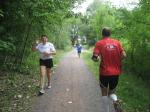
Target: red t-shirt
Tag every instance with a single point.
(110, 51)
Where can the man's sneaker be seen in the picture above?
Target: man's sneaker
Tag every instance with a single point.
(118, 101)
(41, 92)
(49, 86)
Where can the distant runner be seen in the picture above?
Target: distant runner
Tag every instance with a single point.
(79, 49)
(46, 50)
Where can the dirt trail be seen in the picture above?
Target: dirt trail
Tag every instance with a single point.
(74, 89)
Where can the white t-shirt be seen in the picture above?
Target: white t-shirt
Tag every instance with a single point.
(48, 47)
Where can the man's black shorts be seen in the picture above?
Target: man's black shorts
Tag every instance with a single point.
(112, 81)
(79, 52)
(47, 62)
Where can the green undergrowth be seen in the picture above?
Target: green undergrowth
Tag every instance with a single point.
(134, 92)
(94, 66)
(18, 89)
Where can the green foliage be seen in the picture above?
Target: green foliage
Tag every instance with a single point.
(133, 91)
(136, 31)
(1, 13)
(94, 66)
(6, 47)
(131, 27)
(101, 15)
(24, 21)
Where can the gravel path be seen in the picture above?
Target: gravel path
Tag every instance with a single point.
(74, 89)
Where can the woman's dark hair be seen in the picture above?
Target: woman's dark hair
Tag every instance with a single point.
(106, 32)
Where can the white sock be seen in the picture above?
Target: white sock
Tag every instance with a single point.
(42, 85)
(49, 84)
(113, 97)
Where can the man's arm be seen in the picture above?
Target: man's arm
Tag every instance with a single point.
(53, 50)
(123, 53)
(49, 54)
(53, 53)
(34, 47)
(96, 53)
(95, 58)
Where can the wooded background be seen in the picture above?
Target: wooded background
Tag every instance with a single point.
(24, 21)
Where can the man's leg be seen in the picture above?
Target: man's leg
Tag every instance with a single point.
(79, 52)
(104, 82)
(42, 78)
(116, 102)
(49, 77)
(112, 95)
(104, 90)
(49, 65)
(113, 85)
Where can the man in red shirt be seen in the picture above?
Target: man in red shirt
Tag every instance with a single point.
(111, 53)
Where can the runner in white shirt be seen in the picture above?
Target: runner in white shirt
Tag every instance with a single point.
(46, 51)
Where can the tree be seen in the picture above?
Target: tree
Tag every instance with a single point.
(23, 21)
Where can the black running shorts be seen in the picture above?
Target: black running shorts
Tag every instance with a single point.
(79, 52)
(112, 81)
(47, 62)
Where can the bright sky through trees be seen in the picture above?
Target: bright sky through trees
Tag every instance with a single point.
(129, 4)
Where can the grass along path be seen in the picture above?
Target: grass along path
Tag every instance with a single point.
(132, 90)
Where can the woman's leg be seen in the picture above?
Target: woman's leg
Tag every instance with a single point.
(42, 77)
(49, 76)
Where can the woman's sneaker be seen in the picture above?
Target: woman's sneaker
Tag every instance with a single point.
(49, 86)
(41, 92)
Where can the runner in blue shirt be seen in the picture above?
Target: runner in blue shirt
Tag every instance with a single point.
(79, 49)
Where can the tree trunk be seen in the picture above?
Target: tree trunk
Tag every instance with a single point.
(26, 40)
